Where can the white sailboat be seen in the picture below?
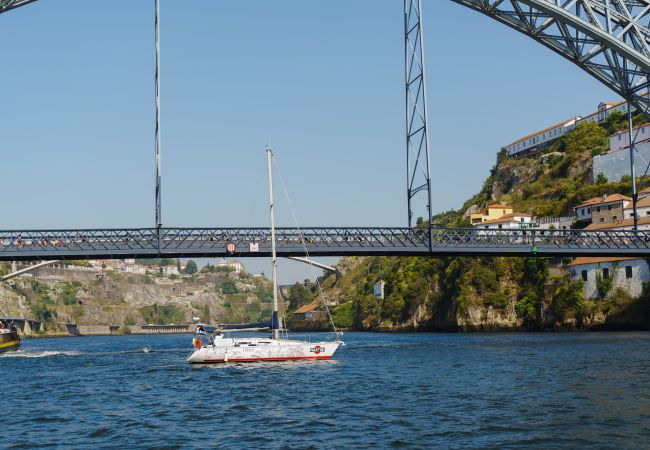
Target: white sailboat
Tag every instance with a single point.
(220, 349)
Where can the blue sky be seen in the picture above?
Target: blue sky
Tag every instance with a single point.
(322, 81)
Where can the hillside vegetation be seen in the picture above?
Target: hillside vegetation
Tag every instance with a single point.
(462, 293)
(550, 183)
(66, 296)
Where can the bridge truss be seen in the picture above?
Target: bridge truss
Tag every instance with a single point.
(256, 242)
(609, 39)
(7, 5)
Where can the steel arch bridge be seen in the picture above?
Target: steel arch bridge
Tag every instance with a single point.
(609, 39)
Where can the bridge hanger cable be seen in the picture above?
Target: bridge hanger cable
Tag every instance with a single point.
(304, 245)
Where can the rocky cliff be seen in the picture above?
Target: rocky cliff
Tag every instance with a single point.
(498, 293)
(83, 297)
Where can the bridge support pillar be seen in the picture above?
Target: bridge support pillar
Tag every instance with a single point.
(418, 171)
(27, 328)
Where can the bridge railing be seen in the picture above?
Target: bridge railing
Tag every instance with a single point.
(211, 242)
(561, 239)
(55, 241)
(180, 238)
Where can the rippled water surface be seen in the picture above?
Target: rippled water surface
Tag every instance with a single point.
(381, 390)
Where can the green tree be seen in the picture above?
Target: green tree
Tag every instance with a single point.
(533, 282)
(69, 292)
(162, 315)
(568, 300)
(298, 296)
(604, 285)
(191, 268)
(587, 136)
(228, 287)
(601, 178)
(616, 121)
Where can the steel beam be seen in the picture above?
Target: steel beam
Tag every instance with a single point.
(28, 269)
(311, 262)
(8, 5)
(609, 39)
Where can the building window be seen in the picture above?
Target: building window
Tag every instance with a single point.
(628, 272)
(588, 210)
(605, 273)
(597, 208)
(584, 275)
(614, 217)
(602, 219)
(609, 207)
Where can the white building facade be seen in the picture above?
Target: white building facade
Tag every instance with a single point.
(615, 164)
(541, 139)
(554, 223)
(514, 221)
(628, 274)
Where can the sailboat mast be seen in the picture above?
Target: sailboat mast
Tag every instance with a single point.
(275, 318)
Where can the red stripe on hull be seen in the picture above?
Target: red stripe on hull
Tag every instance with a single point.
(287, 358)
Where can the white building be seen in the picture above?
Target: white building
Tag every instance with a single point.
(642, 208)
(628, 274)
(541, 139)
(621, 140)
(615, 164)
(555, 223)
(512, 221)
(235, 265)
(604, 111)
(170, 270)
(599, 209)
(643, 224)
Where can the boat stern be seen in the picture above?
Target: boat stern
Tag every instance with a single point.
(9, 341)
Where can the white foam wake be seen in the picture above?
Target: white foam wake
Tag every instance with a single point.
(37, 353)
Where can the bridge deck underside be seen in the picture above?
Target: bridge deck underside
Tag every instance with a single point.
(256, 242)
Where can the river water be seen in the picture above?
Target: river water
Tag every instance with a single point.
(381, 390)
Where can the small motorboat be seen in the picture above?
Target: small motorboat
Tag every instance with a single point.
(9, 338)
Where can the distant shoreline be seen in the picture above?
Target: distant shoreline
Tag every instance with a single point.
(69, 335)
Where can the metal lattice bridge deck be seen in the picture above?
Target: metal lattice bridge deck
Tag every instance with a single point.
(256, 242)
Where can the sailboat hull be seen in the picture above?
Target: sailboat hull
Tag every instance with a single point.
(256, 350)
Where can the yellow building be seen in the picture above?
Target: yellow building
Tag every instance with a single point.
(490, 212)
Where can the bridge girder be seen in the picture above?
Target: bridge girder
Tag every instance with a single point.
(609, 39)
(8, 5)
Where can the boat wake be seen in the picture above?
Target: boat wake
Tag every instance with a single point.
(38, 353)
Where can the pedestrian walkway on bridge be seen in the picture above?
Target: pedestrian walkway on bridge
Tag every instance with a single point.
(256, 242)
